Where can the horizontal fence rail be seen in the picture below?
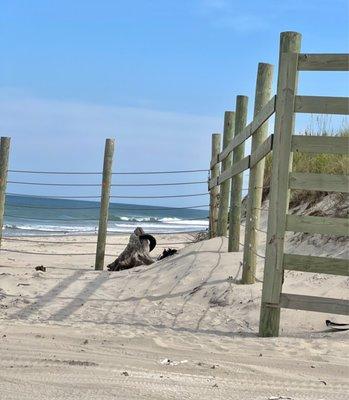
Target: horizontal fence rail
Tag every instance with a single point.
(321, 105)
(312, 303)
(323, 62)
(320, 144)
(319, 182)
(323, 225)
(317, 265)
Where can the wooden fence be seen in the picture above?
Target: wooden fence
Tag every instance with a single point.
(282, 144)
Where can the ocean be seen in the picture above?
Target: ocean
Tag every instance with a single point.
(44, 216)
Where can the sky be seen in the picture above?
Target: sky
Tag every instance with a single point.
(155, 75)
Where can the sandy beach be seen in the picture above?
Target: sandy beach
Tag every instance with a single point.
(181, 328)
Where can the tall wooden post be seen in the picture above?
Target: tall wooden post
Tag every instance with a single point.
(290, 44)
(254, 198)
(214, 192)
(104, 208)
(237, 180)
(229, 122)
(4, 157)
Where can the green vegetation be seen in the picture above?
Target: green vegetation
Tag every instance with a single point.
(313, 163)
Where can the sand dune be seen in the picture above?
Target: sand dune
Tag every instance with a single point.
(72, 332)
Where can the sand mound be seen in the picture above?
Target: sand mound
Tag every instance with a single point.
(196, 290)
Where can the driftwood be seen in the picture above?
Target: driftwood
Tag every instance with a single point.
(167, 253)
(136, 252)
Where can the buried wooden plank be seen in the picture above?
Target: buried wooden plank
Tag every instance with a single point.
(312, 303)
(313, 224)
(321, 265)
(323, 62)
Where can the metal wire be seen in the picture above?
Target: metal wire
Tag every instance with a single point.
(113, 184)
(85, 219)
(260, 230)
(174, 232)
(258, 255)
(114, 173)
(14, 239)
(52, 254)
(254, 252)
(159, 197)
(52, 197)
(51, 219)
(66, 254)
(111, 208)
(112, 197)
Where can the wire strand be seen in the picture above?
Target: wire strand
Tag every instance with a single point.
(113, 184)
(254, 252)
(51, 254)
(14, 239)
(85, 219)
(112, 197)
(114, 173)
(111, 208)
(260, 230)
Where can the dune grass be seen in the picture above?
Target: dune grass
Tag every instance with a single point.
(335, 164)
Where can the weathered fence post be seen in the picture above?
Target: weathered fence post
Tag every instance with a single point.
(254, 198)
(214, 192)
(236, 181)
(104, 208)
(229, 123)
(279, 193)
(4, 157)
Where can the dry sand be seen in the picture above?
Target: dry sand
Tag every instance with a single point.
(74, 333)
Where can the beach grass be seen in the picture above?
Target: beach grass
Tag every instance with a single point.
(335, 164)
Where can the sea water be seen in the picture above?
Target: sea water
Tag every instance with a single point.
(33, 216)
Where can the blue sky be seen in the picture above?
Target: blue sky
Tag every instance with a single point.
(156, 75)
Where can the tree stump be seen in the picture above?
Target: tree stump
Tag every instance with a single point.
(136, 252)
